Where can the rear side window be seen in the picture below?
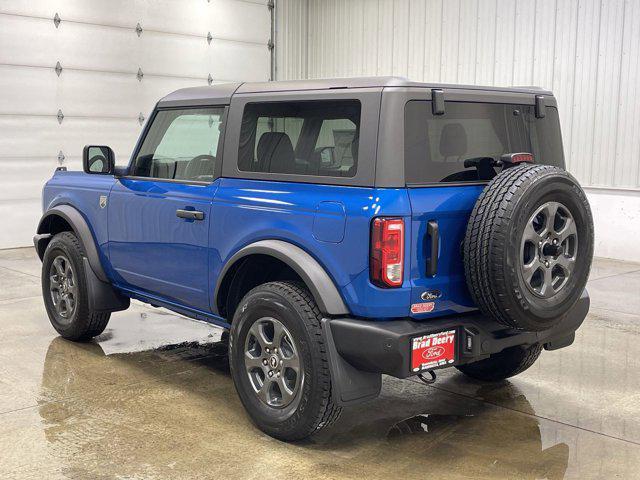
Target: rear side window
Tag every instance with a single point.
(181, 145)
(301, 138)
(463, 144)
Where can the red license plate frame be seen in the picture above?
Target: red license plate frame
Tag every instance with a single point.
(434, 350)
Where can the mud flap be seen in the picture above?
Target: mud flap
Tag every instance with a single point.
(102, 296)
(558, 343)
(350, 386)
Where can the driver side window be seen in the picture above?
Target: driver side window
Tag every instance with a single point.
(181, 144)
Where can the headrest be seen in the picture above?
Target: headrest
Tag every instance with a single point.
(275, 153)
(354, 148)
(453, 140)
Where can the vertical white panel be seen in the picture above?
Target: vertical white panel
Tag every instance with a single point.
(291, 39)
(315, 58)
(586, 51)
(385, 37)
(467, 37)
(505, 42)
(340, 39)
(433, 42)
(524, 35)
(356, 37)
(417, 32)
(565, 41)
(370, 38)
(544, 43)
(450, 41)
(486, 42)
(401, 15)
(584, 94)
(627, 165)
(603, 154)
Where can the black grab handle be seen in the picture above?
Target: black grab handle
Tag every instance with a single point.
(434, 234)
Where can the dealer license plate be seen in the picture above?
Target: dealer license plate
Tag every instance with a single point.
(433, 350)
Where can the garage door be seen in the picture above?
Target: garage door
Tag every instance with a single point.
(78, 72)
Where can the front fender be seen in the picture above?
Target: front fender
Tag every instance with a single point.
(312, 273)
(80, 227)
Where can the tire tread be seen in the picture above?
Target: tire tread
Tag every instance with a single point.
(320, 410)
(88, 323)
(296, 292)
(486, 238)
(503, 365)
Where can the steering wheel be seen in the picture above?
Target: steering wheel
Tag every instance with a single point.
(194, 164)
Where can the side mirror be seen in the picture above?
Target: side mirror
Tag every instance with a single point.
(98, 159)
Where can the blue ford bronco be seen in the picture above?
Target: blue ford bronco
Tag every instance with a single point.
(340, 229)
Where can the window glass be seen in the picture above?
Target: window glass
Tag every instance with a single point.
(289, 125)
(302, 138)
(181, 145)
(464, 144)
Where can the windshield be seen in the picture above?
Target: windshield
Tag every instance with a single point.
(465, 144)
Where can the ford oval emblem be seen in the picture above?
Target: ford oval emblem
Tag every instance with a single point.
(431, 295)
(433, 352)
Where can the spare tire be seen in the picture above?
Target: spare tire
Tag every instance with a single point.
(528, 246)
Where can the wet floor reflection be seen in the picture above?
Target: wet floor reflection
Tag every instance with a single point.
(451, 435)
(147, 406)
(471, 433)
(152, 398)
(147, 329)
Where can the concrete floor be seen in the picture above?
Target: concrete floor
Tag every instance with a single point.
(152, 398)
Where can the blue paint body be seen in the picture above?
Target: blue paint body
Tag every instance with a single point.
(152, 255)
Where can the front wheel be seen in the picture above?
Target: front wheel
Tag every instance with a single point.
(279, 361)
(65, 293)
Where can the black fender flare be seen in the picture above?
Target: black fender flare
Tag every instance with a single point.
(316, 278)
(80, 227)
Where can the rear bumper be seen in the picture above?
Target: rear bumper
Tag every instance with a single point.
(384, 347)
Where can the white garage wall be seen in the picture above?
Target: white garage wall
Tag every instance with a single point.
(586, 51)
(98, 90)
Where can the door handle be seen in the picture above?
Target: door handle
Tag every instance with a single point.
(190, 214)
(434, 234)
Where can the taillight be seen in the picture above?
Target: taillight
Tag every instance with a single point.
(386, 262)
(515, 158)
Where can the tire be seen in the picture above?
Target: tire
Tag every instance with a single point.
(515, 272)
(507, 363)
(310, 407)
(76, 321)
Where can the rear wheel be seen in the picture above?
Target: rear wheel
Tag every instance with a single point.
(279, 361)
(65, 292)
(507, 363)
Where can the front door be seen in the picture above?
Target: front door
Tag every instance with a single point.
(159, 215)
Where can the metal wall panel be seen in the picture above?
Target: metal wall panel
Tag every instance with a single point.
(180, 43)
(586, 51)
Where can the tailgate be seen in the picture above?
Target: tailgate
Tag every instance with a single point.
(439, 288)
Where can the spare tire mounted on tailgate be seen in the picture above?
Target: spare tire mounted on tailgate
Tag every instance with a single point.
(528, 246)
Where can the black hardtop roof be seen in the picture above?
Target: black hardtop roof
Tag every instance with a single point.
(221, 93)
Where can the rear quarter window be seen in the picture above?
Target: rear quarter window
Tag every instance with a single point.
(319, 138)
(436, 146)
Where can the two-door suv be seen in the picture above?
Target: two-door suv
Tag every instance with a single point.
(340, 229)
